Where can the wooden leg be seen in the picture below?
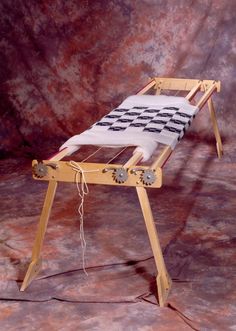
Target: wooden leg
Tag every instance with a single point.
(219, 146)
(163, 279)
(36, 261)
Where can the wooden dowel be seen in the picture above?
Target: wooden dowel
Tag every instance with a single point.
(193, 91)
(52, 186)
(146, 88)
(206, 96)
(134, 159)
(163, 279)
(58, 156)
(162, 157)
(151, 229)
(219, 146)
(36, 260)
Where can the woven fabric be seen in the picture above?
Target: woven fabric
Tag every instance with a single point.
(168, 121)
(142, 125)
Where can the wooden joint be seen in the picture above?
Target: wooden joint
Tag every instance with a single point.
(158, 86)
(206, 84)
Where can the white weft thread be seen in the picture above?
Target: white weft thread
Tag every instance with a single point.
(83, 191)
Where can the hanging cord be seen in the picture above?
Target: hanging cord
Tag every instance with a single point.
(83, 191)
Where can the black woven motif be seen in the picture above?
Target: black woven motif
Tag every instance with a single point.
(167, 121)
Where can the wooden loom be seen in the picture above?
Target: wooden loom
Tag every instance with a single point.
(61, 171)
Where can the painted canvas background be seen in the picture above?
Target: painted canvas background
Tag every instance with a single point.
(63, 64)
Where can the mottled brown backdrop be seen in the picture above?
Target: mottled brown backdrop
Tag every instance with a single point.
(63, 64)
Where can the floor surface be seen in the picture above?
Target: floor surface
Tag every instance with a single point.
(195, 216)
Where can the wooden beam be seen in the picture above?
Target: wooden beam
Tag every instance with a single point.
(136, 157)
(36, 261)
(59, 155)
(206, 96)
(219, 146)
(162, 158)
(163, 280)
(96, 173)
(182, 84)
(146, 87)
(193, 91)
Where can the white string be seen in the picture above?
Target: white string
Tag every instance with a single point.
(114, 157)
(92, 154)
(83, 191)
(176, 93)
(95, 152)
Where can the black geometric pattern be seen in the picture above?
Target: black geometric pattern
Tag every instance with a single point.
(150, 129)
(152, 111)
(104, 124)
(117, 128)
(168, 121)
(112, 116)
(137, 125)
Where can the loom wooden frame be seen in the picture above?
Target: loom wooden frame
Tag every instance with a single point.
(60, 171)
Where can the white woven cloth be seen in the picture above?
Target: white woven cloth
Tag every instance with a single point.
(142, 121)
